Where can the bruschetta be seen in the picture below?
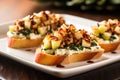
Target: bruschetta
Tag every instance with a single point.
(30, 31)
(67, 45)
(107, 34)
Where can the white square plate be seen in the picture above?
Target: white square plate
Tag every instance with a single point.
(26, 56)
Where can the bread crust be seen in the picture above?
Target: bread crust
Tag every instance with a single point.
(77, 57)
(23, 43)
(109, 46)
(48, 59)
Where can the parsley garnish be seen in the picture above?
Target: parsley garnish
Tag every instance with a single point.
(26, 32)
(112, 38)
(93, 44)
(80, 47)
(72, 47)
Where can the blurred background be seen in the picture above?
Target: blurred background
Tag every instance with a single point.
(92, 9)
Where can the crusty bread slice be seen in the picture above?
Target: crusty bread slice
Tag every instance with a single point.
(109, 46)
(23, 43)
(48, 59)
(77, 57)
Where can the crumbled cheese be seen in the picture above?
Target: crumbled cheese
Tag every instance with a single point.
(100, 40)
(48, 51)
(14, 34)
(61, 51)
(70, 52)
(34, 36)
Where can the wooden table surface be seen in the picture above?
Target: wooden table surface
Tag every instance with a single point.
(12, 70)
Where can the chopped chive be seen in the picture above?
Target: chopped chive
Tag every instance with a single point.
(93, 44)
(80, 47)
(72, 47)
(112, 38)
(26, 32)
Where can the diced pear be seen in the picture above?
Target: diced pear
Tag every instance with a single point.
(27, 22)
(47, 42)
(117, 29)
(102, 29)
(72, 28)
(55, 44)
(78, 35)
(106, 35)
(86, 43)
(26, 18)
(42, 30)
(95, 31)
(64, 27)
(57, 34)
(62, 32)
(12, 28)
(37, 19)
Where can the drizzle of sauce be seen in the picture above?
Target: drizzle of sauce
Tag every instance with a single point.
(90, 62)
(60, 66)
(28, 49)
(113, 52)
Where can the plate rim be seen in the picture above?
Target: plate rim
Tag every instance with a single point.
(59, 72)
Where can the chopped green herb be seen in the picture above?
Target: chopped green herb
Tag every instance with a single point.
(112, 38)
(49, 31)
(93, 44)
(87, 47)
(73, 47)
(45, 49)
(100, 35)
(56, 27)
(16, 33)
(80, 47)
(26, 32)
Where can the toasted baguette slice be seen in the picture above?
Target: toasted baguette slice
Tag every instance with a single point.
(48, 59)
(23, 43)
(109, 47)
(67, 45)
(33, 27)
(77, 57)
(107, 34)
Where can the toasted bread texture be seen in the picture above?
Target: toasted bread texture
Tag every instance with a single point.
(48, 59)
(77, 57)
(109, 46)
(67, 45)
(23, 43)
(107, 34)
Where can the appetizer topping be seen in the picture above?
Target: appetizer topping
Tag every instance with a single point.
(39, 24)
(68, 38)
(107, 30)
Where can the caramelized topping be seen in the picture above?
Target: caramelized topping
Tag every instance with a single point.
(41, 19)
(111, 25)
(68, 35)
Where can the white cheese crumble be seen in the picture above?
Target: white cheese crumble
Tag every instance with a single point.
(100, 40)
(70, 52)
(32, 35)
(9, 34)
